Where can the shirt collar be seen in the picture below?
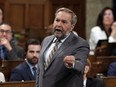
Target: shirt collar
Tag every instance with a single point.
(84, 82)
(31, 66)
(62, 39)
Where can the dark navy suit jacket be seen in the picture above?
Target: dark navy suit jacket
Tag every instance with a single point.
(22, 72)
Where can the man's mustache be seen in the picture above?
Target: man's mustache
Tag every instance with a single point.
(35, 58)
(58, 30)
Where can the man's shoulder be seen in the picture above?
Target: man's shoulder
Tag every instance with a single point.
(80, 40)
(49, 37)
(21, 66)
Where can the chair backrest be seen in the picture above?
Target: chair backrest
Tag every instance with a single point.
(8, 65)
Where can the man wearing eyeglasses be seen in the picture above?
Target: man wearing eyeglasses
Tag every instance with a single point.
(8, 48)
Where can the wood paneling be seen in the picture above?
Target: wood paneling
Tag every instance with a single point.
(17, 16)
(33, 16)
(25, 16)
(36, 16)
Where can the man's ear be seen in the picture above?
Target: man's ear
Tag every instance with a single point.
(72, 27)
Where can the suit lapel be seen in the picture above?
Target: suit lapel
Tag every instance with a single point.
(64, 45)
(46, 45)
(29, 74)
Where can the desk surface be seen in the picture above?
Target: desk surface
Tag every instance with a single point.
(110, 81)
(107, 57)
(18, 84)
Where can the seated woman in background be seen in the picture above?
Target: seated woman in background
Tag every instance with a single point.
(105, 29)
(2, 77)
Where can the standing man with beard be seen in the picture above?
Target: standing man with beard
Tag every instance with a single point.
(27, 70)
(63, 55)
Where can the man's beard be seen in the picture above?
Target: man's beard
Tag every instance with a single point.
(32, 61)
(59, 34)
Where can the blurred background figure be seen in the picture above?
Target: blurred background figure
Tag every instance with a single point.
(1, 15)
(9, 50)
(2, 77)
(89, 81)
(105, 29)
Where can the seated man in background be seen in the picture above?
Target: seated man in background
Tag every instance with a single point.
(26, 71)
(89, 81)
(8, 48)
(112, 69)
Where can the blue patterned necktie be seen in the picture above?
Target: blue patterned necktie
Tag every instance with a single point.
(34, 71)
(3, 52)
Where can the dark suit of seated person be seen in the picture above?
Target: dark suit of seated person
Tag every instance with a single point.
(9, 50)
(24, 71)
(112, 69)
(89, 81)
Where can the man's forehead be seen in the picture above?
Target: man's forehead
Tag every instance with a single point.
(5, 27)
(61, 16)
(32, 46)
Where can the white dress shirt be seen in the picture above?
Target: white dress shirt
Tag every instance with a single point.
(84, 83)
(2, 77)
(48, 51)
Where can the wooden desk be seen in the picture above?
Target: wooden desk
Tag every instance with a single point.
(110, 81)
(8, 65)
(18, 84)
(101, 64)
(104, 62)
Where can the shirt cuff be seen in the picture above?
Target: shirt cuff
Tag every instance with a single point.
(111, 39)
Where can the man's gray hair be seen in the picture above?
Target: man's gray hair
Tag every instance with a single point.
(74, 16)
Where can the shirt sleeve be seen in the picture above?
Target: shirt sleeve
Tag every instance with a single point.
(112, 39)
